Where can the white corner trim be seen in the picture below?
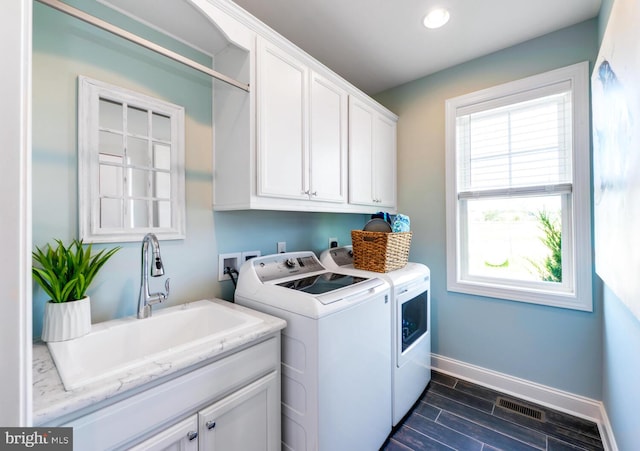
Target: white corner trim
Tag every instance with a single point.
(606, 432)
(16, 334)
(553, 398)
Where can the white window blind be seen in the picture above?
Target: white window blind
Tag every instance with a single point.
(517, 148)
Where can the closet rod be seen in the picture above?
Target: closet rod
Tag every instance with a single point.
(63, 7)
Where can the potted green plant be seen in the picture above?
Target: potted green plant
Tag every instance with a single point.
(65, 273)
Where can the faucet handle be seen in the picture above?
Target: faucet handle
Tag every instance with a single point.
(166, 288)
(159, 296)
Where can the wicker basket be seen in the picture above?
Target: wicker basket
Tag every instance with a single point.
(380, 251)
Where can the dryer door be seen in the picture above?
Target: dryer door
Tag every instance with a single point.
(412, 323)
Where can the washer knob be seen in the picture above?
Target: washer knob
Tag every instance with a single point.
(290, 262)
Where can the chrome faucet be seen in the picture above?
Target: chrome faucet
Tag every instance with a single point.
(146, 299)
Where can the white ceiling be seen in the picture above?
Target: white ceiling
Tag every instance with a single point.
(380, 44)
(377, 44)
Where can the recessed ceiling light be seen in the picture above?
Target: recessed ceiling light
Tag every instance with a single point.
(436, 18)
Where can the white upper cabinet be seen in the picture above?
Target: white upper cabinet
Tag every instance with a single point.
(282, 122)
(372, 156)
(302, 130)
(285, 145)
(385, 161)
(327, 140)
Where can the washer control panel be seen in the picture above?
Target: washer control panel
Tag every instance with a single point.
(280, 266)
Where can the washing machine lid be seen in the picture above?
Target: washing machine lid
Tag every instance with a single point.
(303, 277)
(322, 283)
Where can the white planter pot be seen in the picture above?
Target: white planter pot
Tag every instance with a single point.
(66, 320)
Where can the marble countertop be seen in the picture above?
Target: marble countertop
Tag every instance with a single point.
(52, 401)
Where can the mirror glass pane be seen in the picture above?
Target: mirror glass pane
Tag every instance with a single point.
(139, 214)
(161, 127)
(162, 185)
(111, 213)
(110, 115)
(138, 152)
(162, 214)
(110, 177)
(162, 156)
(110, 143)
(140, 186)
(137, 121)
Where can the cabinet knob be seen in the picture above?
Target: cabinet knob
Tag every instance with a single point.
(210, 424)
(192, 435)
(315, 193)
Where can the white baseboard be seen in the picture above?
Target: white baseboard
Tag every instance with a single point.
(563, 401)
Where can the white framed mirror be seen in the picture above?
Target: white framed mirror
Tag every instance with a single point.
(131, 171)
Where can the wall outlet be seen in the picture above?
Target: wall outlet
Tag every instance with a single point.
(282, 247)
(232, 260)
(248, 255)
(333, 242)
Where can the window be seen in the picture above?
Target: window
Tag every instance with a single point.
(131, 165)
(518, 190)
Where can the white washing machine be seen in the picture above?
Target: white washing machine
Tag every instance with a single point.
(336, 372)
(410, 325)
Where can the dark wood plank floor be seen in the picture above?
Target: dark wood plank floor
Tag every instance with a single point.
(455, 414)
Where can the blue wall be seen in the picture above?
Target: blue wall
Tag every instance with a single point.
(551, 346)
(621, 349)
(64, 48)
(621, 367)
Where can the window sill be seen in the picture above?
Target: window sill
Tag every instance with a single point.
(551, 298)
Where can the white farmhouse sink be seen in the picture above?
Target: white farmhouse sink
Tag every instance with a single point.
(115, 347)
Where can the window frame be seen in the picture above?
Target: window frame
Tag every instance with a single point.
(577, 292)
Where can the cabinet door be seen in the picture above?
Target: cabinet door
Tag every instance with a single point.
(360, 153)
(327, 140)
(384, 161)
(281, 120)
(179, 437)
(247, 420)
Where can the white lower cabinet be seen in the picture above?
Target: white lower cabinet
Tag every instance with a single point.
(241, 421)
(232, 404)
(182, 436)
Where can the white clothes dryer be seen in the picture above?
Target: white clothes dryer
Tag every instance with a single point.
(336, 374)
(410, 328)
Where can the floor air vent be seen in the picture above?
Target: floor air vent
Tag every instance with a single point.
(520, 408)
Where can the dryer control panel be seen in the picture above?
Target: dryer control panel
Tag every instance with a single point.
(342, 256)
